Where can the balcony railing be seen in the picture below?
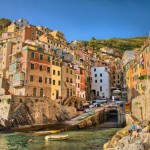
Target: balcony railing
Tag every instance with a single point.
(18, 83)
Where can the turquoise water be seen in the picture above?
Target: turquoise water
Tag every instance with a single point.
(89, 139)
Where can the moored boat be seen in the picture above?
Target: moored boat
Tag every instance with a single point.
(56, 137)
(55, 131)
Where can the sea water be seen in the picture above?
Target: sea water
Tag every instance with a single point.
(87, 139)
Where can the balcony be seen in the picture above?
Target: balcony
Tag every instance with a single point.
(13, 68)
(18, 83)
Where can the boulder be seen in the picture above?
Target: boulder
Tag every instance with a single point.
(147, 139)
(144, 130)
(146, 146)
(134, 146)
(125, 140)
(89, 123)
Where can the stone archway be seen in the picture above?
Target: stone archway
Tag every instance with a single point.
(112, 115)
(76, 102)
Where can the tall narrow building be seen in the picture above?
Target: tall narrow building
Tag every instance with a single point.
(100, 82)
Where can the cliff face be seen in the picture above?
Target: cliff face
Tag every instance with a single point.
(36, 111)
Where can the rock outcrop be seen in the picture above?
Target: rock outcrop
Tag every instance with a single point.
(122, 140)
(36, 111)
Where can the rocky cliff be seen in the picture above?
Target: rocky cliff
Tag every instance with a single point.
(34, 111)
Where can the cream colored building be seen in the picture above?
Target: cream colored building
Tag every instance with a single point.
(68, 80)
(5, 51)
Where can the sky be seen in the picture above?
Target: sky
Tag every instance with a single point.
(83, 19)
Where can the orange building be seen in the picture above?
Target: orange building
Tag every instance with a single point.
(30, 71)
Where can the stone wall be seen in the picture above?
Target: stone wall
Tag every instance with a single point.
(35, 111)
(5, 106)
(141, 106)
(93, 120)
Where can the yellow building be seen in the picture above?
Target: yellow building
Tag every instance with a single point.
(56, 80)
(43, 29)
(128, 77)
(13, 28)
(58, 35)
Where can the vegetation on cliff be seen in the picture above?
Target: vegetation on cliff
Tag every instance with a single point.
(117, 44)
(4, 23)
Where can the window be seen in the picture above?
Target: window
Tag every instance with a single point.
(67, 92)
(71, 80)
(70, 71)
(147, 64)
(100, 88)
(53, 82)
(34, 91)
(94, 69)
(57, 63)
(48, 58)
(67, 79)
(58, 73)
(48, 69)
(31, 78)
(67, 70)
(58, 82)
(53, 72)
(95, 81)
(45, 80)
(78, 85)
(32, 66)
(100, 74)
(95, 75)
(101, 80)
(63, 57)
(57, 94)
(118, 76)
(41, 92)
(32, 55)
(50, 80)
(97, 93)
(78, 77)
(70, 92)
(41, 57)
(53, 63)
(40, 67)
(40, 79)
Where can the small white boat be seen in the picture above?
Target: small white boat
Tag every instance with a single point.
(56, 137)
